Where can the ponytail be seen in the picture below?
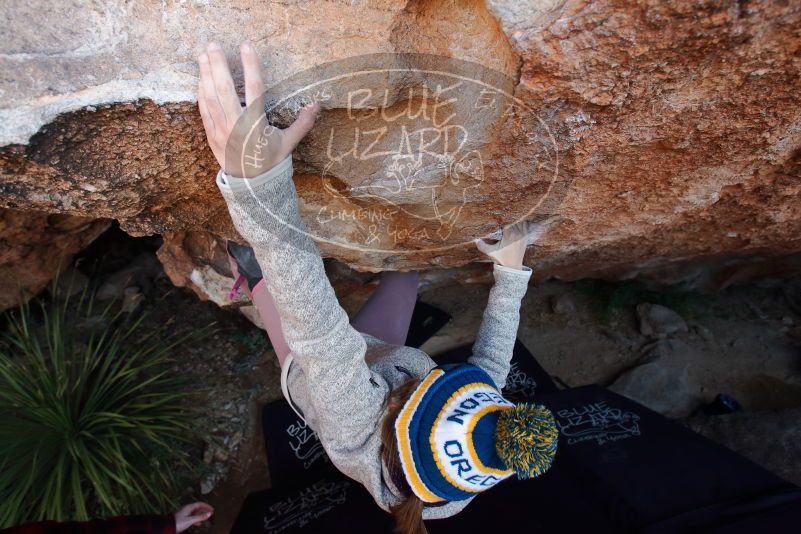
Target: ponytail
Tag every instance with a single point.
(409, 516)
(409, 513)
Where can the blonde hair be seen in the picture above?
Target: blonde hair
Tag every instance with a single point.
(409, 513)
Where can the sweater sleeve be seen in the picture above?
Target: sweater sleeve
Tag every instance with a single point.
(323, 343)
(496, 336)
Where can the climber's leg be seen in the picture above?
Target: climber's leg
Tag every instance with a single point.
(388, 312)
(243, 264)
(386, 315)
(268, 313)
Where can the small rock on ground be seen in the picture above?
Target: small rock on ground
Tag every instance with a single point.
(563, 305)
(659, 321)
(139, 273)
(70, 282)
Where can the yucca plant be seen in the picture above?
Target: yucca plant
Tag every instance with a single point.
(92, 421)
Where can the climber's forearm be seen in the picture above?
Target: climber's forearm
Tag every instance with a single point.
(264, 208)
(264, 211)
(316, 328)
(262, 201)
(496, 336)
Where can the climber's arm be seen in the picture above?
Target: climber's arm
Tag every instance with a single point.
(496, 336)
(264, 209)
(328, 349)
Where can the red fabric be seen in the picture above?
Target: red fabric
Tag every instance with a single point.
(132, 524)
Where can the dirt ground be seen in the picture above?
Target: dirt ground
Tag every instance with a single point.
(743, 342)
(739, 342)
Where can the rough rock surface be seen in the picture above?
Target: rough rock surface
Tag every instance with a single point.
(677, 125)
(36, 246)
(198, 261)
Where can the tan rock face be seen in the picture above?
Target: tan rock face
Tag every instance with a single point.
(36, 246)
(656, 132)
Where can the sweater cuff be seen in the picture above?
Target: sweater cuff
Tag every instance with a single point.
(233, 184)
(524, 271)
(514, 281)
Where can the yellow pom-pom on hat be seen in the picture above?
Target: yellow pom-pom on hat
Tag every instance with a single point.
(526, 439)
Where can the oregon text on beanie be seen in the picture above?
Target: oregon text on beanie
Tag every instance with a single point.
(457, 436)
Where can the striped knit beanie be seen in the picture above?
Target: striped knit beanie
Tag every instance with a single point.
(457, 436)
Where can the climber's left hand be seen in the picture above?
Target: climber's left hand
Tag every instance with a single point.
(192, 515)
(244, 144)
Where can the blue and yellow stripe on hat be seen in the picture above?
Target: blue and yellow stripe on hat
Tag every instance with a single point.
(446, 434)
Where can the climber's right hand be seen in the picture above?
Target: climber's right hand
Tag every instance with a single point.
(511, 249)
(232, 134)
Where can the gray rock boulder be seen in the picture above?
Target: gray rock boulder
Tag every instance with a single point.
(659, 388)
(663, 384)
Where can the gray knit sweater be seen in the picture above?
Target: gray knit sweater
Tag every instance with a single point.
(339, 377)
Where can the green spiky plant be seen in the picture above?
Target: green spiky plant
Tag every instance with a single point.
(609, 297)
(92, 424)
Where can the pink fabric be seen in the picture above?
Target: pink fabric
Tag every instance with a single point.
(264, 302)
(235, 287)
